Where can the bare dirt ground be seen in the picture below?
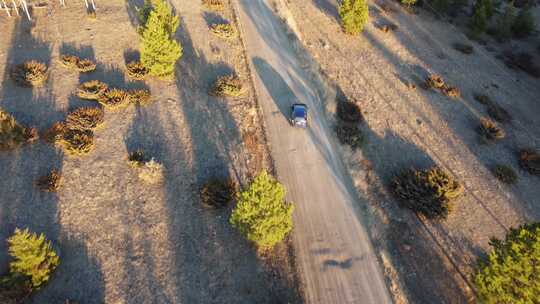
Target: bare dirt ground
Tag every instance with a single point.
(122, 241)
(426, 262)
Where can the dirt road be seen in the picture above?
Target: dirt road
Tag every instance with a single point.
(334, 253)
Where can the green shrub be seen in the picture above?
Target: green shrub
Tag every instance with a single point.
(33, 257)
(487, 5)
(354, 16)
(228, 86)
(92, 89)
(511, 272)
(489, 130)
(13, 135)
(529, 160)
(159, 51)
(427, 192)
(348, 111)
(504, 23)
(114, 99)
(77, 142)
(524, 25)
(349, 134)
(223, 30)
(86, 118)
(442, 6)
(50, 182)
(143, 12)
(217, 193)
(479, 21)
(261, 214)
(505, 174)
(30, 74)
(136, 70)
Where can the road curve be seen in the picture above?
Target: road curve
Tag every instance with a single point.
(336, 261)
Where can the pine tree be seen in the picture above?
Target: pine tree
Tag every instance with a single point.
(159, 51)
(524, 24)
(33, 257)
(354, 15)
(511, 272)
(479, 20)
(504, 23)
(262, 215)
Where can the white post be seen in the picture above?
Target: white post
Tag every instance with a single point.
(93, 5)
(25, 8)
(15, 7)
(86, 2)
(6, 8)
(62, 2)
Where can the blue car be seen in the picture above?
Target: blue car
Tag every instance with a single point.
(299, 115)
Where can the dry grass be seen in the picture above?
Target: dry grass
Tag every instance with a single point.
(489, 130)
(505, 174)
(427, 192)
(151, 172)
(228, 86)
(114, 99)
(390, 27)
(86, 118)
(77, 142)
(217, 193)
(12, 135)
(223, 30)
(494, 110)
(92, 89)
(50, 182)
(214, 5)
(142, 97)
(529, 160)
(30, 74)
(55, 132)
(136, 70)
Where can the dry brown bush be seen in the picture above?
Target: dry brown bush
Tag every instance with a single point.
(217, 193)
(214, 5)
(86, 118)
(223, 30)
(228, 86)
(142, 97)
(529, 160)
(137, 158)
(78, 142)
(55, 132)
(78, 64)
(489, 130)
(50, 182)
(92, 89)
(114, 99)
(434, 81)
(136, 70)
(449, 91)
(30, 74)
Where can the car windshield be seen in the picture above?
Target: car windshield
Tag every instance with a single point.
(299, 111)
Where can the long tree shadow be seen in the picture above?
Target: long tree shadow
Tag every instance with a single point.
(413, 247)
(22, 205)
(196, 138)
